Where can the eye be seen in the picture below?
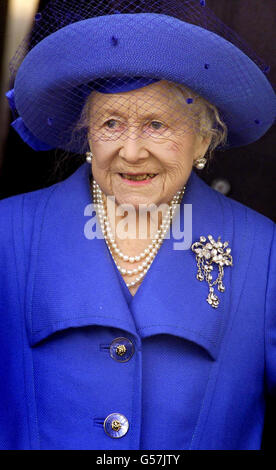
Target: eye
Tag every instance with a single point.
(111, 123)
(156, 125)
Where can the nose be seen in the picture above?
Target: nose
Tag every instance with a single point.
(133, 147)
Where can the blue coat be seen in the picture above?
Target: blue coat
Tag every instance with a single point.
(195, 378)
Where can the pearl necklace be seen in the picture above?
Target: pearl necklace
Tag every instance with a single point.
(150, 252)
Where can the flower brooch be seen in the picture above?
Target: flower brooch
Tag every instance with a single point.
(206, 254)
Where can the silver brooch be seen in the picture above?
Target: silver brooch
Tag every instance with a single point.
(206, 254)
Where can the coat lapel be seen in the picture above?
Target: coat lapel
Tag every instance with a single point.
(171, 299)
(72, 281)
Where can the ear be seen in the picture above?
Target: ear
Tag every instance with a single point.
(203, 143)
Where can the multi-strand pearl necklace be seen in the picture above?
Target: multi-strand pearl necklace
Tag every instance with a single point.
(148, 255)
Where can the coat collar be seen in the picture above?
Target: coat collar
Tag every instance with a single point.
(171, 299)
(72, 280)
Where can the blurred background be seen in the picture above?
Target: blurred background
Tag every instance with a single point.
(246, 174)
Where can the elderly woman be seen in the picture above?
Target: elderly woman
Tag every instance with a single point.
(115, 334)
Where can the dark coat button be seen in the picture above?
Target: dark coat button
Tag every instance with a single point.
(121, 349)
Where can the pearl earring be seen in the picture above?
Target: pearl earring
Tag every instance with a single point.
(200, 163)
(89, 156)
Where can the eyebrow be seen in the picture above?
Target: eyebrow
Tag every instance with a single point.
(116, 113)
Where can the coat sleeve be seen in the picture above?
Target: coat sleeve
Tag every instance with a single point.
(270, 322)
(13, 420)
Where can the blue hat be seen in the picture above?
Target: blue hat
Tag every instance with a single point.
(120, 52)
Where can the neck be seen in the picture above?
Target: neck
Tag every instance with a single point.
(148, 253)
(133, 224)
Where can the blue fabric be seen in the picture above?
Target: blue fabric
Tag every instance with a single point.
(198, 375)
(110, 86)
(52, 82)
(27, 136)
(10, 97)
(19, 126)
(125, 290)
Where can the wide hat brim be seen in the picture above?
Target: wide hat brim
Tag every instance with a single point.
(55, 77)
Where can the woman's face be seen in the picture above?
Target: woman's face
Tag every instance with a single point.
(144, 131)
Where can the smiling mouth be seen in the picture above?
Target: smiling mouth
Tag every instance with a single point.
(137, 176)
